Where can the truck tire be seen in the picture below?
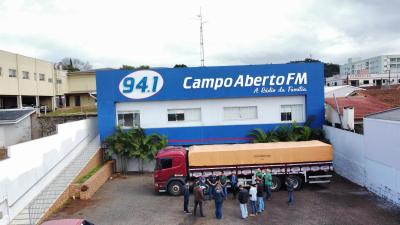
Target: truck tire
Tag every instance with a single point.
(175, 188)
(276, 183)
(297, 182)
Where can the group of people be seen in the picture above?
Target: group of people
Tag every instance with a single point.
(217, 190)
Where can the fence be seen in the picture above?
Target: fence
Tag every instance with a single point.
(371, 160)
(32, 165)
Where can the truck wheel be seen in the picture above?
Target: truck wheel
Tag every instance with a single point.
(276, 183)
(297, 182)
(175, 188)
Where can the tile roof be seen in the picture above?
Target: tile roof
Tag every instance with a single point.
(363, 105)
(8, 116)
(384, 94)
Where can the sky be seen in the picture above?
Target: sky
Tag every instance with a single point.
(164, 33)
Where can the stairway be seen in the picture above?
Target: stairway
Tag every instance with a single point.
(32, 213)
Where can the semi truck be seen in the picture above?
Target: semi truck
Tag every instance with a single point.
(304, 161)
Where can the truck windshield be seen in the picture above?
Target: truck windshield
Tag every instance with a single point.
(163, 163)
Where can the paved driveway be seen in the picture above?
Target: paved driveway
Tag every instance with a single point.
(132, 201)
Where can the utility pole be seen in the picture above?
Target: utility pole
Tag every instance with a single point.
(201, 39)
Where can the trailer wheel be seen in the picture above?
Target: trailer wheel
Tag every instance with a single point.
(175, 188)
(297, 182)
(276, 183)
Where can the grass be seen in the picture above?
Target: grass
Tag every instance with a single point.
(90, 174)
(70, 111)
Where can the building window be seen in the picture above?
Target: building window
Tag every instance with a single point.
(12, 73)
(0, 71)
(41, 76)
(392, 59)
(240, 113)
(59, 81)
(392, 65)
(184, 115)
(25, 75)
(292, 113)
(50, 80)
(129, 119)
(366, 82)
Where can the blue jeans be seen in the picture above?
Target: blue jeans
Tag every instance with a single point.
(253, 207)
(290, 197)
(185, 203)
(225, 191)
(260, 201)
(218, 210)
(211, 191)
(269, 193)
(243, 211)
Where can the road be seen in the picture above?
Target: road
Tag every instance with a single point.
(131, 200)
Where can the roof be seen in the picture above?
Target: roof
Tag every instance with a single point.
(391, 114)
(384, 94)
(340, 91)
(363, 105)
(93, 71)
(11, 116)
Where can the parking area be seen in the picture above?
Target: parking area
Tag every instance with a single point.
(131, 200)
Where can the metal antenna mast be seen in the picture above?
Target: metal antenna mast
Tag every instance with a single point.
(201, 39)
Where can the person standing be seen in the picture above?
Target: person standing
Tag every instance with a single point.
(253, 199)
(234, 181)
(198, 199)
(219, 200)
(186, 195)
(243, 198)
(224, 182)
(259, 176)
(290, 188)
(212, 183)
(268, 184)
(260, 198)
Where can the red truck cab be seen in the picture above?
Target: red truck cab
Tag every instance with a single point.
(171, 170)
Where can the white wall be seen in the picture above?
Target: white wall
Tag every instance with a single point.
(154, 114)
(348, 155)
(32, 165)
(383, 157)
(371, 160)
(11, 134)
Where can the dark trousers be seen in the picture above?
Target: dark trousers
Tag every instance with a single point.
(200, 206)
(185, 203)
(268, 191)
(211, 192)
(218, 210)
(290, 197)
(234, 191)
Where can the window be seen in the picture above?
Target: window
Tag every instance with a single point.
(0, 71)
(240, 113)
(25, 75)
(50, 80)
(129, 119)
(41, 76)
(392, 59)
(59, 81)
(184, 114)
(164, 163)
(12, 73)
(292, 112)
(366, 82)
(392, 65)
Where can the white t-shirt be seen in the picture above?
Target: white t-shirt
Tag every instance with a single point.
(253, 194)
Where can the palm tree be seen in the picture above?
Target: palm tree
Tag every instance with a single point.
(259, 136)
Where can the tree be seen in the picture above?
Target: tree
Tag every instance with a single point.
(259, 136)
(330, 69)
(134, 143)
(127, 67)
(73, 64)
(180, 66)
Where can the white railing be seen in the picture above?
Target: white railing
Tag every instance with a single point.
(32, 165)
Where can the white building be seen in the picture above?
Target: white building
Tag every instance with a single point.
(15, 126)
(374, 65)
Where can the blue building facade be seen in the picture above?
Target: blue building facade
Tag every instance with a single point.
(210, 105)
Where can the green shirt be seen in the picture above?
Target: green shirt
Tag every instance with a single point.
(259, 174)
(268, 180)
